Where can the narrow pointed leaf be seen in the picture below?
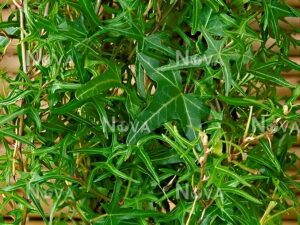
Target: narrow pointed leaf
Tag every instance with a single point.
(241, 194)
(147, 161)
(109, 79)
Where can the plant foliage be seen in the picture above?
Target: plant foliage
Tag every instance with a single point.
(149, 112)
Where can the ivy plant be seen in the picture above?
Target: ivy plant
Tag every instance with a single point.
(149, 112)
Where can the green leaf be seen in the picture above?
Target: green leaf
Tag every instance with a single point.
(233, 175)
(243, 102)
(196, 16)
(240, 193)
(215, 50)
(271, 77)
(109, 79)
(8, 24)
(7, 133)
(79, 63)
(140, 79)
(291, 64)
(267, 149)
(89, 11)
(181, 152)
(118, 97)
(38, 207)
(158, 42)
(211, 21)
(147, 161)
(14, 98)
(4, 42)
(150, 64)
(93, 151)
(187, 108)
(6, 118)
(115, 171)
(167, 106)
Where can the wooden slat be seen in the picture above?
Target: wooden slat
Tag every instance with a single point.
(295, 59)
(293, 79)
(12, 47)
(6, 12)
(296, 150)
(11, 50)
(291, 215)
(288, 24)
(283, 92)
(10, 63)
(290, 222)
(6, 1)
(294, 3)
(294, 50)
(286, 92)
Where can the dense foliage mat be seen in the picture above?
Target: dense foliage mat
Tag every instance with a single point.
(149, 112)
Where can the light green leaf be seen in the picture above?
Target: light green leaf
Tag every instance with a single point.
(38, 207)
(150, 64)
(196, 16)
(220, 55)
(115, 171)
(89, 11)
(241, 193)
(109, 79)
(232, 174)
(271, 77)
(167, 106)
(15, 97)
(4, 42)
(147, 161)
(268, 150)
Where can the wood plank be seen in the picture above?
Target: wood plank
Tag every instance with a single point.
(291, 76)
(5, 1)
(295, 59)
(296, 151)
(6, 12)
(294, 50)
(290, 222)
(294, 3)
(288, 24)
(10, 63)
(12, 47)
(291, 215)
(286, 92)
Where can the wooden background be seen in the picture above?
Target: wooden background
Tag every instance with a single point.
(9, 63)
